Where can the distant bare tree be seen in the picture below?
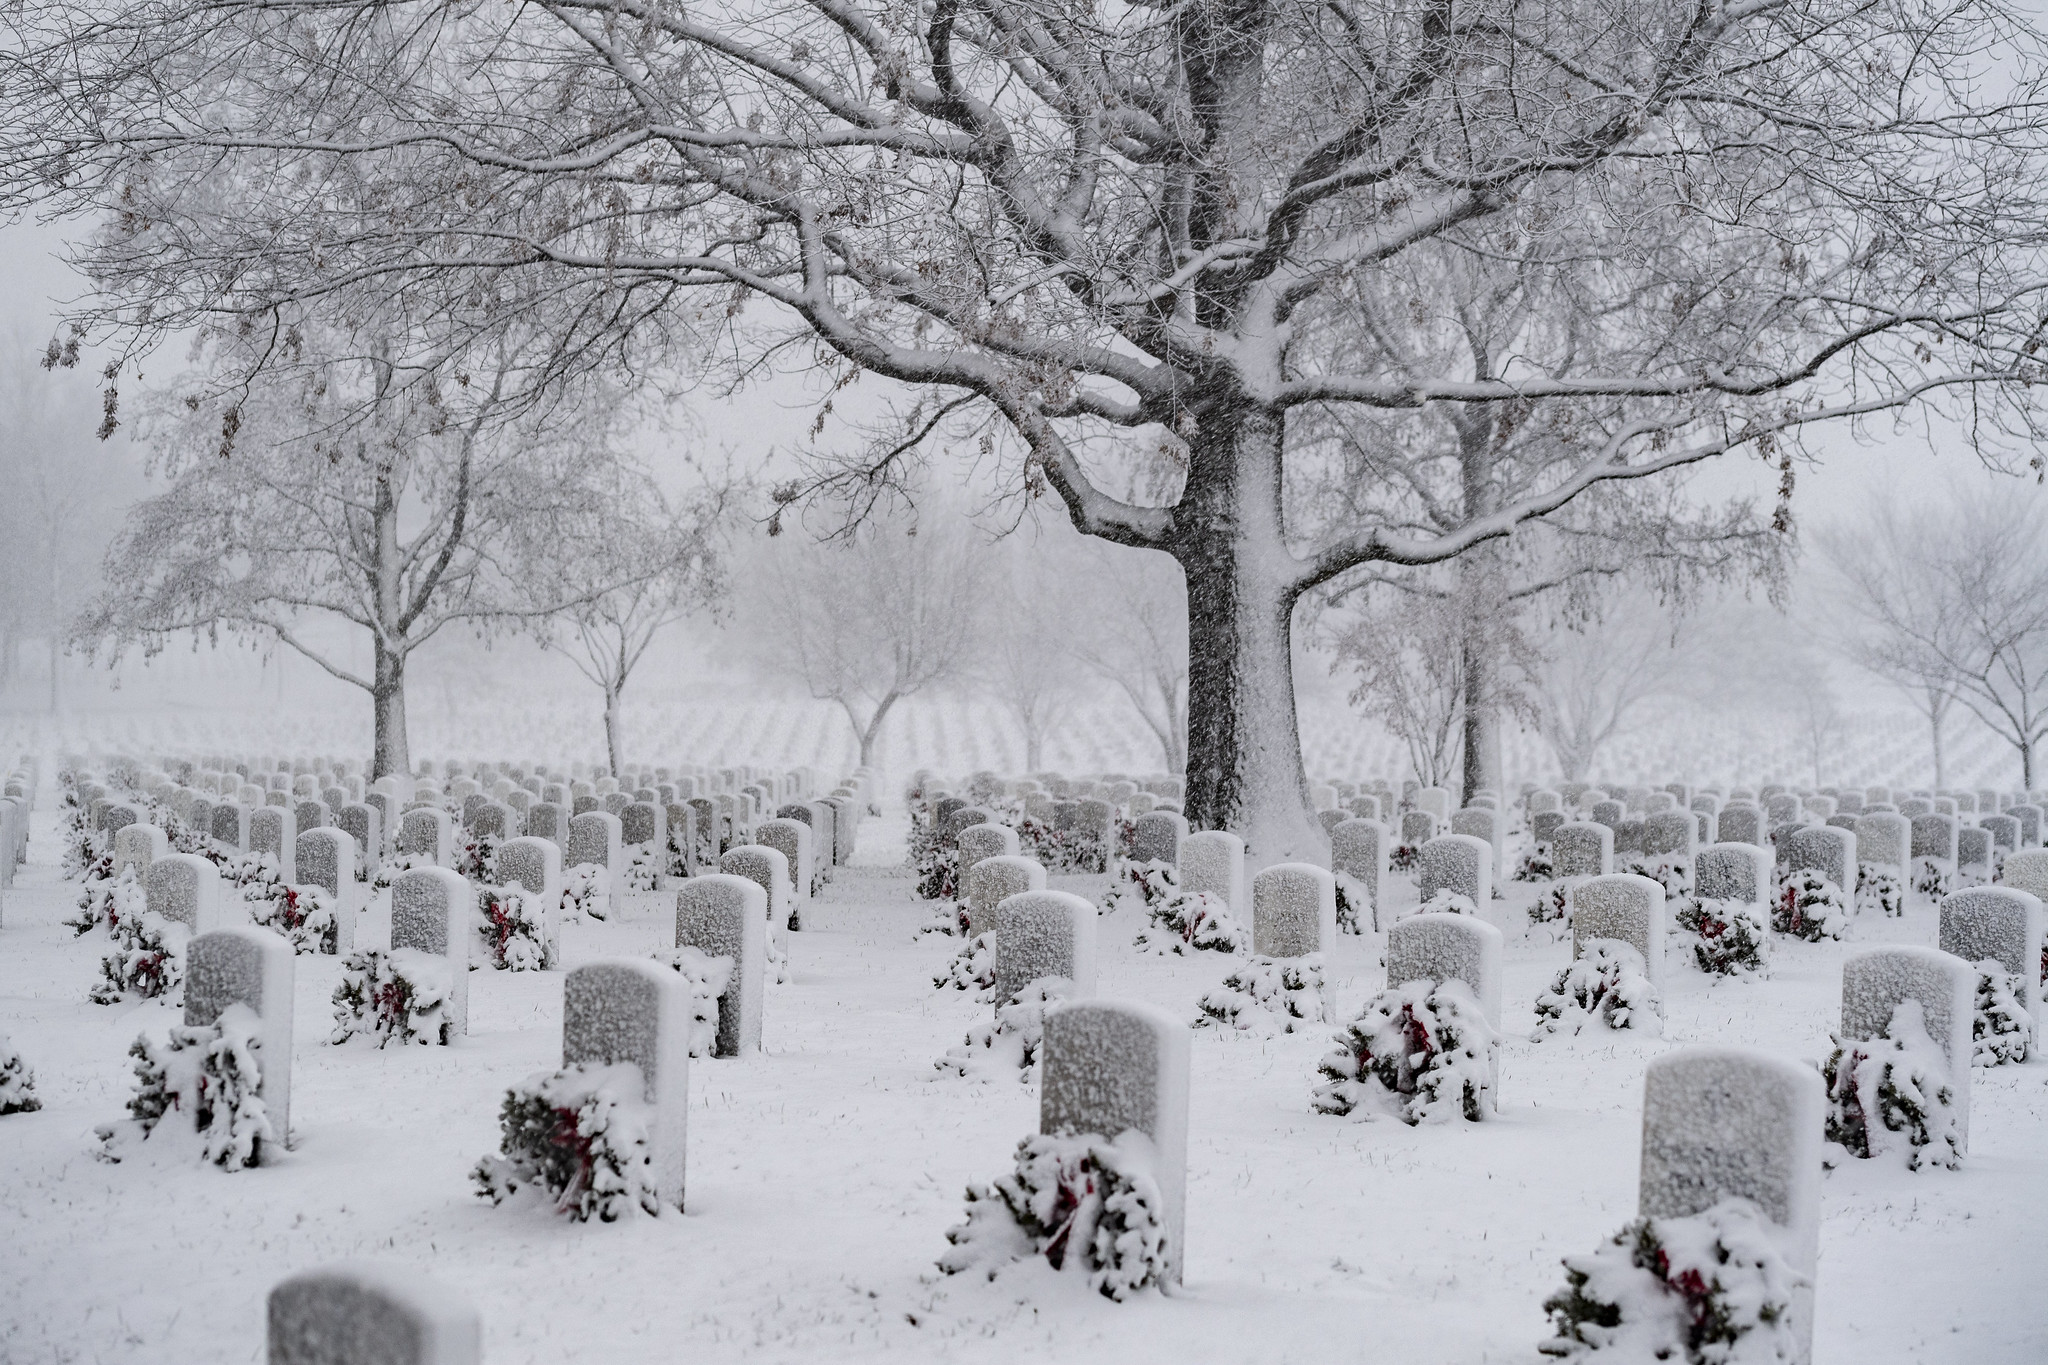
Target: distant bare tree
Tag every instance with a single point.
(872, 619)
(1953, 600)
(1904, 622)
(646, 565)
(1596, 673)
(1134, 635)
(1027, 650)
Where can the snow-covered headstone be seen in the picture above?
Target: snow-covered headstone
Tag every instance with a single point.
(359, 820)
(1725, 1123)
(326, 858)
(186, 889)
(1483, 822)
(984, 841)
(361, 1314)
(1626, 908)
(1294, 910)
(1358, 857)
(1043, 934)
(1111, 1067)
(722, 915)
(1735, 871)
(273, 830)
(1875, 981)
(1826, 849)
(546, 820)
(2001, 924)
(629, 1010)
(426, 832)
(1741, 823)
(1456, 865)
(1418, 827)
(231, 825)
(2029, 816)
(1582, 849)
(1158, 837)
(1437, 947)
(792, 839)
(244, 965)
(992, 881)
(432, 912)
(1670, 842)
(2004, 831)
(768, 869)
(135, 846)
(594, 841)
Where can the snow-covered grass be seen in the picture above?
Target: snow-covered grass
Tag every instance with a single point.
(824, 1175)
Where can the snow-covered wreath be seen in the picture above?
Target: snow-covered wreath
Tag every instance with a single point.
(511, 923)
(1007, 1047)
(1931, 878)
(1893, 1094)
(17, 1082)
(973, 968)
(1193, 921)
(2003, 1029)
(580, 1138)
(1355, 906)
(708, 976)
(1266, 995)
(1089, 1205)
(1728, 937)
(1144, 884)
(1811, 907)
(1417, 1052)
(400, 996)
(1673, 874)
(1878, 888)
(303, 915)
(209, 1073)
(1712, 1288)
(148, 959)
(1608, 984)
(586, 890)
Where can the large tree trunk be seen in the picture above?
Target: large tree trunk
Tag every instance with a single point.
(1482, 718)
(1934, 724)
(387, 696)
(1244, 770)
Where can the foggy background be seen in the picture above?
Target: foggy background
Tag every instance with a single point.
(1754, 693)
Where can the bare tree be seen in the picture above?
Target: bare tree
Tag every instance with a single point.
(868, 621)
(1135, 637)
(649, 565)
(1089, 233)
(349, 491)
(1904, 622)
(1027, 648)
(1596, 673)
(1953, 600)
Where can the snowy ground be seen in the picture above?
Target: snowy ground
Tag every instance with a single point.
(824, 1174)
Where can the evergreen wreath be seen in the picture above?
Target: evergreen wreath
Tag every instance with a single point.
(1878, 888)
(1712, 1288)
(1265, 995)
(1007, 1047)
(1729, 937)
(586, 890)
(1193, 921)
(511, 923)
(1811, 907)
(17, 1082)
(1089, 1205)
(973, 968)
(580, 1136)
(1354, 905)
(2003, 1030)
(209, 1072)
(1417, 1052)
(708, 977)
(303, 915)
(1893, 1093)
(1607, 983)
(400, 996)
(148, 959)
